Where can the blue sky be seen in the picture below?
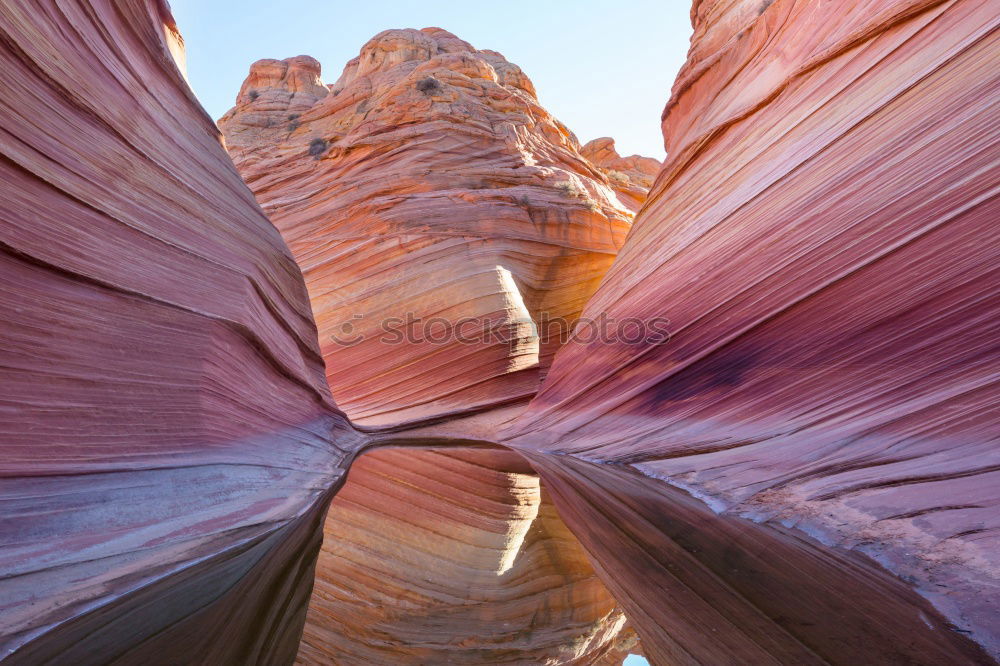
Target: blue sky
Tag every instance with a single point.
(603, 68)
(635, 660)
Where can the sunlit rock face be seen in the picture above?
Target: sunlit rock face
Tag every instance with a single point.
(822, 240)
(427, 184)
(168, 441)
(455, 555)
(630, 177)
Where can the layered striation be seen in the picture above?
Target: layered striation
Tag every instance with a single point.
(821, 240)
(169, 442)
(448, 227)
(804, 471)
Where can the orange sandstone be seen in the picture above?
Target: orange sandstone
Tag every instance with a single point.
(427, 184)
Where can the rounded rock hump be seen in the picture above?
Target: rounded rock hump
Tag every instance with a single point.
(393, 47)
(436, 165)
(289, 82)
(431, 48)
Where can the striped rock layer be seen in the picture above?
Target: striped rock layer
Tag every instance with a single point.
(822, 239)
(442, 219)
(168, 440)
(804, 473)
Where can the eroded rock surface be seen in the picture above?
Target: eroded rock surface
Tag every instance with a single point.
(630, 177)
(168, 439)
(427, 184)
(822, 242)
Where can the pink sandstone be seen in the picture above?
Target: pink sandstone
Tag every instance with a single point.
(805, 472)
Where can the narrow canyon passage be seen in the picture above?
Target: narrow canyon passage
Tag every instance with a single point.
(428, 188)
(804, 470)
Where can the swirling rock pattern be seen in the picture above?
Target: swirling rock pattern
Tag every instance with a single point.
(823, 414)
(427, 183)
(822, 241)
(169, 442)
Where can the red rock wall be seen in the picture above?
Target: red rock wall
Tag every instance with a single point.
(822, 240)
(166, 440)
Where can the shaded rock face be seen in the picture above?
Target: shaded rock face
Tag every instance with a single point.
(821, 240)
(750, 593)
(427, 184)
(168, 439)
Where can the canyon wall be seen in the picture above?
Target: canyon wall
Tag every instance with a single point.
(169, 443)
(822, 239)
(805, 471)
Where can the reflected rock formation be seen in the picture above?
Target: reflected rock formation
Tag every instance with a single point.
(804, 472)
(455, 555)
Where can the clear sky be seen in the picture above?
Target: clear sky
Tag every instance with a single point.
(603, 67)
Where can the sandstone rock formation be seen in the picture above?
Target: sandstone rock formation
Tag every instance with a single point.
(804, 473)
(438, 187)
(427, 183)
(630, 177)
(168, 439)
(822, 242)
